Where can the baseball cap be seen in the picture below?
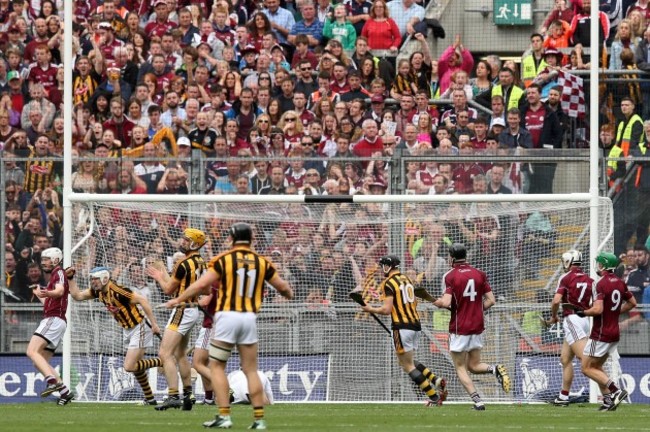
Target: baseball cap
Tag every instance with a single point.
(13, 29)
(249, 48)
(12, 75)
(377, 99)
(498, 122)
(112, 65)
(184, 141)
(159, 2)
(105, 25)
(379, 183)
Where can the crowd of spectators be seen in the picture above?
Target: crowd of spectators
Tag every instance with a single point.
(312, 92)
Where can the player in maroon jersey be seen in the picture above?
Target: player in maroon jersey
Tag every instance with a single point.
(200, 356)
(467, 293)
(574, 289)
(50, 331)
(612, 299)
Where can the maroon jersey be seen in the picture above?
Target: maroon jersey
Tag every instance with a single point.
(612, 291)
(463, 177)
(159, 29)
(535, 123)
(575, 287)
(467, 286)
(56, 307)
(211, 307)
(46, 76)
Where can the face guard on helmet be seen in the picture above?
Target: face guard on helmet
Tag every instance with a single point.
(570, 258)
(50, 258)
(193, 240)
(388, 263)
(606, 261)
(101, 274)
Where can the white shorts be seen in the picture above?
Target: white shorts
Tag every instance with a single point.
(137, 337)
(235, 327)
(203, 341)
(405, 340)
(599, 349)
(465, 343)
(52, 330)
(183, 320)
(575, 328)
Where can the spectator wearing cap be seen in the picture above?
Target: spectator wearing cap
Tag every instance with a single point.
(309, 26)
(533, 62)
(356, 91)
(106, 41)
(16, 94)
(162, 24)
(15, 40)
(282, 21)
(553, 60)
(248, 58)
(376, 108)
(278, 59)
(377, 187)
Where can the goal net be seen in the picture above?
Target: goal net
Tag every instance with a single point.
(320, 346)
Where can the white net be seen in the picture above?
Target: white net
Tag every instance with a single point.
(320, 347)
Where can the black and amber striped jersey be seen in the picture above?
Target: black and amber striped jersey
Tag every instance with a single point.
(370, 288)
(404, 314)
(117, 300)
(39, 172)
(187, 271)
(241, 273)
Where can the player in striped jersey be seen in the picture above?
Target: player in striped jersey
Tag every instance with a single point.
(123, 303)
(242, 274)
(183, 318)
(401, 304)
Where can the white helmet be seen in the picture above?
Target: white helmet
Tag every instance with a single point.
(54, 255)
(101, 273)
(571, 257)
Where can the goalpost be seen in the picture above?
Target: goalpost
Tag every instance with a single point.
(321, 347)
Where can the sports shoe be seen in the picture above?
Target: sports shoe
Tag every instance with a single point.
(478, 407)
(433, 401)
(52, 388)
(606, 407)
(187, 403)
(561, 402)
(207, 402)
(219, 422)
(258, 424)
(172, 402)
(503, 378)
(64, 400)
(147, 402)
(192, 398)
(441, 386)
(617, 398)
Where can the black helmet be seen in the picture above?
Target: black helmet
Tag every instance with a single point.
(241, 233)
(389, 260)
(458, 252)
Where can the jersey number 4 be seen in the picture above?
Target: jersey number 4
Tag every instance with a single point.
(470, 290)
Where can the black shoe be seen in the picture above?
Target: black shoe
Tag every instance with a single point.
(52, 388)
(172, 402)
(478, 407)
(606, 407)
(617, 398)
(64, 400)
(187, 403)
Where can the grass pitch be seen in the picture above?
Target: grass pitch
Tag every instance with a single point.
(85, 417)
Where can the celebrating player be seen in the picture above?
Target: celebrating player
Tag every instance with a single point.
(173, 347)
(50, 331)
(400, 303)
(574, 289)
(467, 293)
(239, 388)
(612, 299)
(242, 273)
(123, 303)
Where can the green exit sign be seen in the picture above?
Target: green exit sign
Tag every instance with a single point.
(512, 12)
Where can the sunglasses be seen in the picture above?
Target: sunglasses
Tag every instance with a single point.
(312, 175)
(307, 144)
(263, 121)
(292, 119)
(305, 69)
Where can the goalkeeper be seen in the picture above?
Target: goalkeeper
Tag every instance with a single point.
(137, 333)
(401, 305)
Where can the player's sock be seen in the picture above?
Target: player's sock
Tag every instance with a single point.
(418, 378)
(50, 380)
(173, 393)
(611, 386)
(143, 380)
(428, 374)
(224, 411)
(492, 369)
(258, 413)
(564, 395)
(209, 395)
(65, 391)
(476, 398)
(143, 365)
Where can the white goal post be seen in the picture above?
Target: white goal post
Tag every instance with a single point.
(320, 347)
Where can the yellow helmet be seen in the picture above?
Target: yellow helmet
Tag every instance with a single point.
(196, 237)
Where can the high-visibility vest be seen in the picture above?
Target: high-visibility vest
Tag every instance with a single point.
(528, 69)
(516, 93)
(624, 133)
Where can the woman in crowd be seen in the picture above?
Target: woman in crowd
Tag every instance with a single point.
(380, 30)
